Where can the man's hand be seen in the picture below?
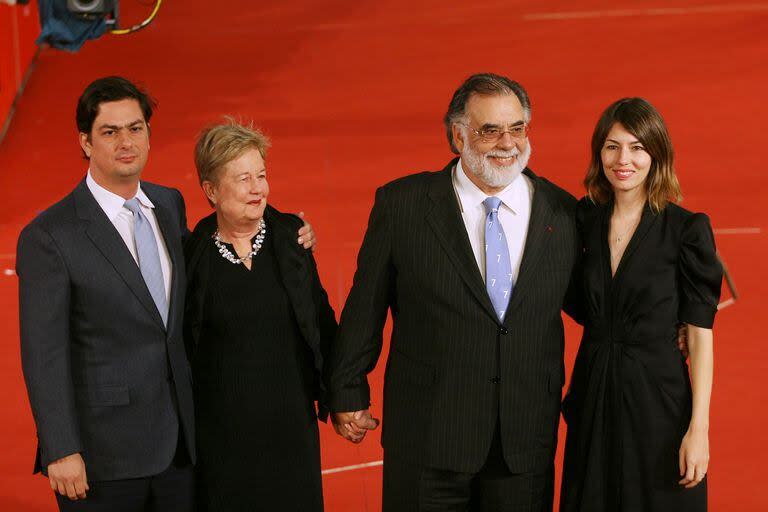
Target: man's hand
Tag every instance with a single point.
(353, 426)
(682, 339)
(68, 476)
(307, 235)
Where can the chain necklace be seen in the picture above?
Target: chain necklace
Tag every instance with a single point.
(621, 236)
(229, 256)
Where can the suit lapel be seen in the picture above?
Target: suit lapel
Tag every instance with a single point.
(445, 220)
(292, 268)
(295, 275)
(108, 241)
(539, 232)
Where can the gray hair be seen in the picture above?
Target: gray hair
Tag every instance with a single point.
(486, 84)
(221, 143)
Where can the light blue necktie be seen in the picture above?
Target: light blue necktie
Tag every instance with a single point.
(149, 257)
(498, 269)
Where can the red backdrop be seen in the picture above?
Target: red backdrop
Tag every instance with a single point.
(19, 28)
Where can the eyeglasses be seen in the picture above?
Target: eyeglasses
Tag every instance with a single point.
(517, 132)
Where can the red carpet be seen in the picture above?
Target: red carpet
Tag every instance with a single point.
(352, 94)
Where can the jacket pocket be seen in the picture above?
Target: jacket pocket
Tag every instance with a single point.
(104, 396)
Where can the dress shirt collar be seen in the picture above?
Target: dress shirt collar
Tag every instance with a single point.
(514, 196)
(110, 202)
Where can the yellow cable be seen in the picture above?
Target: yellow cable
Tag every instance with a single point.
(123, 31)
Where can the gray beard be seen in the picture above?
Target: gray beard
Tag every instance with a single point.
(480, 165)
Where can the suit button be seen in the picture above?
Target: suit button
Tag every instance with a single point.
(503, 331)
(495, 380)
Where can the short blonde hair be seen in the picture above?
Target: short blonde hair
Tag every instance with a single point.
(219, 144)
(642, 120)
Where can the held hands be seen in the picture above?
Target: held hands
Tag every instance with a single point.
(307, 235)
(353, 426)
(68, 478)
(694, 457)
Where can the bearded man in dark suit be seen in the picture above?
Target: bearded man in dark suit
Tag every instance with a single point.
(475, 263)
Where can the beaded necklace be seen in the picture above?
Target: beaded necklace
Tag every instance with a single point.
(229, 256)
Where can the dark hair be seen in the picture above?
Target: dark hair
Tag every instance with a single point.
(105, 90)
(642, 120)
(486, 84)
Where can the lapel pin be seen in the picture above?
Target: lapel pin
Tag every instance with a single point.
(549, 229)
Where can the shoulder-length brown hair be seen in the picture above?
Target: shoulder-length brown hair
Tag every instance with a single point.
(642, 120)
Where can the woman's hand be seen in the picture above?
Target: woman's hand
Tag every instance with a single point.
(694, 457)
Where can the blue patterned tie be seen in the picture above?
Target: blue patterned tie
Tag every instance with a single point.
(498, 269)
(149, 257)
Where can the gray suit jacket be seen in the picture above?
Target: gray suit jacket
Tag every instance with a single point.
(105, 378)
(454, 370)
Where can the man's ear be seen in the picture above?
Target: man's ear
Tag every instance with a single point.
(458, 137)
(85, 144)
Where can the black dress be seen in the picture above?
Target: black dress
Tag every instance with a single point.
(255, 383)
(629, 402)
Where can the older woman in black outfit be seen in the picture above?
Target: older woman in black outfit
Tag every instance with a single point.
(637, 422)
(258, 323)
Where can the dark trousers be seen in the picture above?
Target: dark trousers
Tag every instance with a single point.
(172, 490)
(413, 488)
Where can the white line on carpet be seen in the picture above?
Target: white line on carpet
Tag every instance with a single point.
(737, 231)
(661, 11)
(353, 467)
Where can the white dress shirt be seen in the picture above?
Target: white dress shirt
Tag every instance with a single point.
(514, 214)
(122, 218)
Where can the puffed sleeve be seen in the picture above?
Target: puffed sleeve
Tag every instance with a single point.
(700, 273)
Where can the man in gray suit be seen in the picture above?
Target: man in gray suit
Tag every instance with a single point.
(101, 297)
(101, 290)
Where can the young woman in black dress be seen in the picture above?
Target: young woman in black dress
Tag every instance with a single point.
(257, 326)
(637, 417)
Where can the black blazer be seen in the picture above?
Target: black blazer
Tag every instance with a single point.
(453, 368)
(314, 315)
(105, 377)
